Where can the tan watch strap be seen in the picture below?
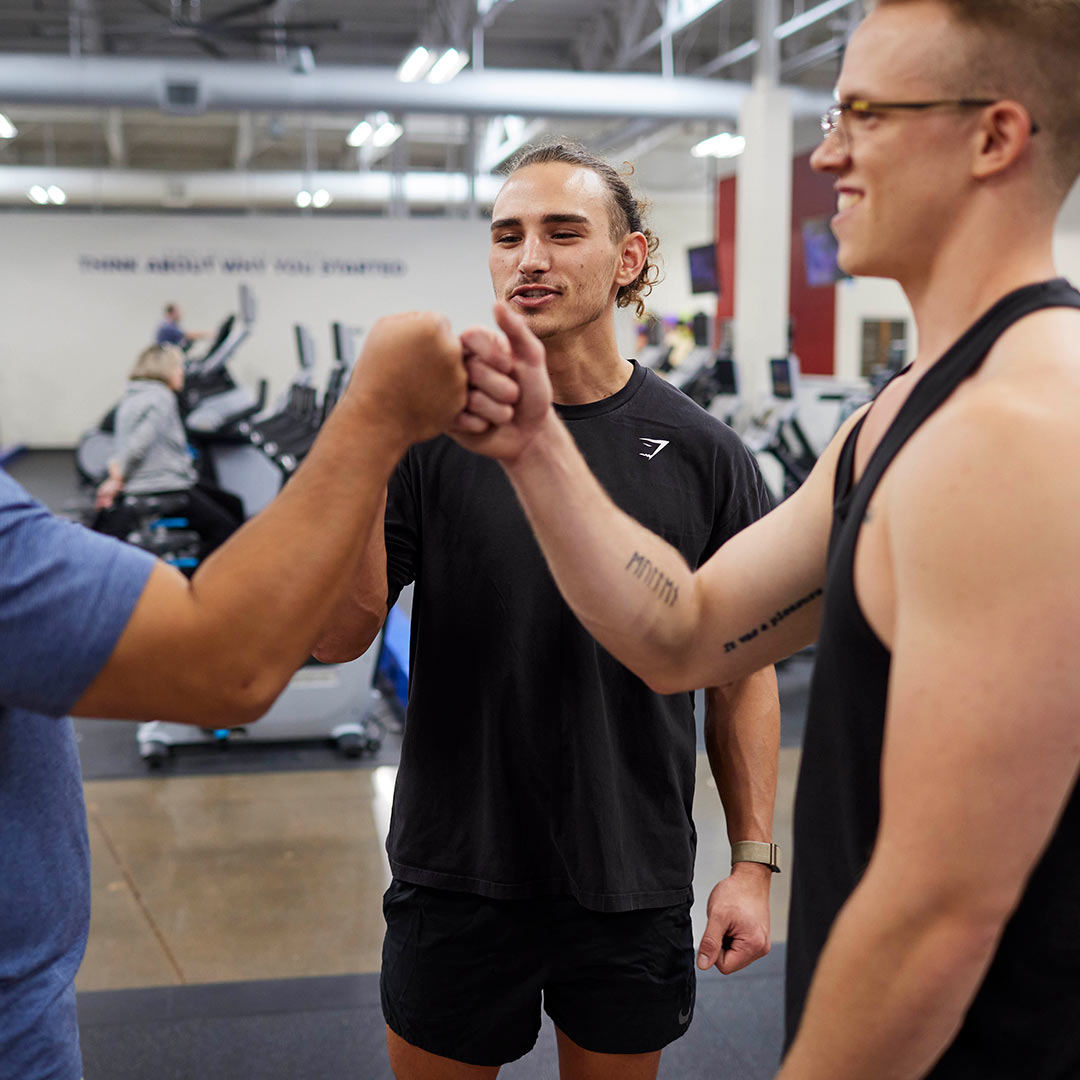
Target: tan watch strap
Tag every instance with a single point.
(755, 851)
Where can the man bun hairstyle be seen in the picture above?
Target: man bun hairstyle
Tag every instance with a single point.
(157, 362)
(1027, 51)
(626, 212)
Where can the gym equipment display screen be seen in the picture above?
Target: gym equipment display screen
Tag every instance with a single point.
(703, 274)
(725, 378)
(781, 378)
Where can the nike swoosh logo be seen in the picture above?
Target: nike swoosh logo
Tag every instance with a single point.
(684, 1017)
(656, 444)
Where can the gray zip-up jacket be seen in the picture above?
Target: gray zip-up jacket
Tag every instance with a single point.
(150, 446)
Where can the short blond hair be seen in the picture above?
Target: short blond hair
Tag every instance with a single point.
(157, 362)
(1027, 51)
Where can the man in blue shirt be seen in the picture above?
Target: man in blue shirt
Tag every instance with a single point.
(92, 627)
(170, 332)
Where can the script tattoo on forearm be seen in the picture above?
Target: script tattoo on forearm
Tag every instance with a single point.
(654, 578)
(773, 621)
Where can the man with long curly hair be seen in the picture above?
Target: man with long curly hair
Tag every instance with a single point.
(542, 843)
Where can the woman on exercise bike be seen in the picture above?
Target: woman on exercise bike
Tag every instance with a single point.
(150, 455)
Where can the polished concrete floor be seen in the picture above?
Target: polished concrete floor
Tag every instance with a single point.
(208, 879)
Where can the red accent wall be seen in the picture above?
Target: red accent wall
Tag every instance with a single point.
(813, 309)
(725, 248)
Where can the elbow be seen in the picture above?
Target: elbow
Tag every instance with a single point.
(665, 676)
(337, 648)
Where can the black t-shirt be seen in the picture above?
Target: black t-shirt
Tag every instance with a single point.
(533, 763)
(1025, 1020)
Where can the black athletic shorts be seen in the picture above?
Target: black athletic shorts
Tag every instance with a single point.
(463, 975)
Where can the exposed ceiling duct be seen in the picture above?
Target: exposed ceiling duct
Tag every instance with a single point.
(231, 190)
(191, 87)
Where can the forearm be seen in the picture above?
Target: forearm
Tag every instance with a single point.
(892, 986)
(361, 609)
(631, 590)
(271, 588)
(742, 740)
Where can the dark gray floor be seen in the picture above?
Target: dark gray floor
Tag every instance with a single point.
(326, 1028)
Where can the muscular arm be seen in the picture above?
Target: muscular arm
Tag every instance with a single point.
(219, 648)
(742, 739)
(981, 729)
(755, 601)
(361, 609)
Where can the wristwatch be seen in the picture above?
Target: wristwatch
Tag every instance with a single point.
(755, 851)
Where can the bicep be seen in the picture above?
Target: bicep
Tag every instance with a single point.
(760, 596)
(159, 668)
(981, 722)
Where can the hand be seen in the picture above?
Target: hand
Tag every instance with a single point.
(410, 375)
(106, 493)
(737, 932)
(510, 392)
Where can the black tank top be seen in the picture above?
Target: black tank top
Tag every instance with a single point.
(1024, 1024)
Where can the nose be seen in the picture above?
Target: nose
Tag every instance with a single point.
(832, 154)
(534, 257)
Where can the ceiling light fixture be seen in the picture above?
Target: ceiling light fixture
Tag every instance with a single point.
(386, 134)
(447, 66)
(303, 199)
(321, 198)
(38, 195)
(7, 129)
(57, 194)
(416, 65)
(359, 134)
(724, 145)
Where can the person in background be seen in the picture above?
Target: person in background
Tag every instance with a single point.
(150, 455)
(170, 332)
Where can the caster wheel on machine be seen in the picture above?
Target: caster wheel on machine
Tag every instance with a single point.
(350, 745)
(154, 754)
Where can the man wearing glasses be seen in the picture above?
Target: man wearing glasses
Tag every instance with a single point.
(935, 921)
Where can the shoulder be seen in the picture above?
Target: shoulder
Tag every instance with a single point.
(984, 493)
(659, 400)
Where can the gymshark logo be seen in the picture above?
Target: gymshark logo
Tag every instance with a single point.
(684, 1017)
(656, 444)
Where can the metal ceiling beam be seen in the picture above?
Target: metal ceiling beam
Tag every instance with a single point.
(192, 87)
(808, 18)
(812, 57)
(678, 15)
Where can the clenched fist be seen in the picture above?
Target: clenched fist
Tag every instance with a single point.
(411, 374)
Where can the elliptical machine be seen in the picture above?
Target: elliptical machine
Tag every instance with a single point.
(775, 430)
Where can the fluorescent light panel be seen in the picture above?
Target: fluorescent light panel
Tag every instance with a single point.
(416, 65)
(359, 134)
(386, 134)
(724, 145)
(447, 66)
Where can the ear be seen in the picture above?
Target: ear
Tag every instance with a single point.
(634, 252)
(1004, 134)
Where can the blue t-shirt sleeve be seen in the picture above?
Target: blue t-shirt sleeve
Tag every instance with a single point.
(66, 594)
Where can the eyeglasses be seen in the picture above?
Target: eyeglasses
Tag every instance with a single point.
(831, 120)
